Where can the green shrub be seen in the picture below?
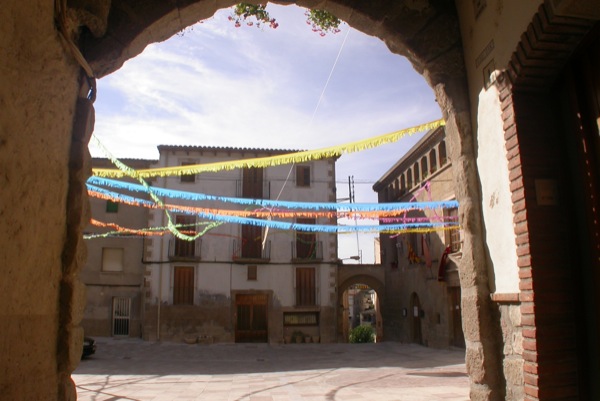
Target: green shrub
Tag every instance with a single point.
(362, 334)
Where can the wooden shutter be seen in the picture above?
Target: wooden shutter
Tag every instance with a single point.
(252, 183)
(183, 285)
(305, 286)
(303, 176)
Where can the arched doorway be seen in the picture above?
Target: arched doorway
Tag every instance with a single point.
(360, 307)
(360, 302)
(415, 314)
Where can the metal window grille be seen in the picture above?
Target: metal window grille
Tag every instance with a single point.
(121, 316)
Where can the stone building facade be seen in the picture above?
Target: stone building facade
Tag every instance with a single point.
(114, 270)
(517, 84)
(422, 286)
(235, 283)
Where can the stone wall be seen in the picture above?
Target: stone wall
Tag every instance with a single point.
(41, 206)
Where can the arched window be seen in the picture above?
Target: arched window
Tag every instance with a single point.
(442, 151)
(396, 188)
(402, 185)
(424, 169)
(432, 162)
(409, 181)
(417, 174)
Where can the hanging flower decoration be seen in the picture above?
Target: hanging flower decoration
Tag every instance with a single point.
(245, 12)
(322, 22)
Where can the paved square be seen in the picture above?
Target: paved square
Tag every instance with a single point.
(130, 369)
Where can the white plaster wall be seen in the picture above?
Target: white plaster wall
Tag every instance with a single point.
(498, 29)
(216, 274)
(496, 195)
(279, 278)
(212, 279)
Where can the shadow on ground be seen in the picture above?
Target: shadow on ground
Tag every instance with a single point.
(136, 357)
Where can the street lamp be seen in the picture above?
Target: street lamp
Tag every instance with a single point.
(354, 257)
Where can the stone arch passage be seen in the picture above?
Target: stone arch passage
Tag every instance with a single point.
(428, 35)
(366, 279)
(109, 33)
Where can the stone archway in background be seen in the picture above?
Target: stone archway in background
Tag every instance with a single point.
(367, 280)
(426, 32)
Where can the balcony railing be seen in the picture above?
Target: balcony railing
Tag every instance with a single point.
(251, 252)
(181, 250)
(307, 251)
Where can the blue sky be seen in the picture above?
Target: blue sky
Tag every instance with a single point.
(217, 85)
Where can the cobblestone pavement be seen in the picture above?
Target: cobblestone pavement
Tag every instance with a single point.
(131, 369)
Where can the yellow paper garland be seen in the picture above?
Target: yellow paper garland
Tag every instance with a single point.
(278, 160)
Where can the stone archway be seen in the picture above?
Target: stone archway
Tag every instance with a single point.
(428, 34)
(50, 122)
(365, 279)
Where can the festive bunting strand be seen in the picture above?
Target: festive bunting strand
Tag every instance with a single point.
(124, 232)
(382, 215)
(267, 203)
(133, 174)
(143, 232)
(291, 225)
(261, 162)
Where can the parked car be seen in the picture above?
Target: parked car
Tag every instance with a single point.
(89, 347)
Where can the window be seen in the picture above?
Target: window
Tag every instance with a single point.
(121, 316)
(432, 161)
(453, 236)
(252, 273)
(424, 167)
(112, 259)
(417, 174)
(252, 242)
(112, 207)
(305, 286)
(414, 248)
(409, 180)
(306, 242)
(188, 177)
(183, 248)
(303, 176)
(301, 318)
(252, 183)
(442, 151)
(183, 285)
(402, 185)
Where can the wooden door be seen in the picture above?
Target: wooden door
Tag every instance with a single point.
(252, 319)
(457, 335)
(581, 144)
